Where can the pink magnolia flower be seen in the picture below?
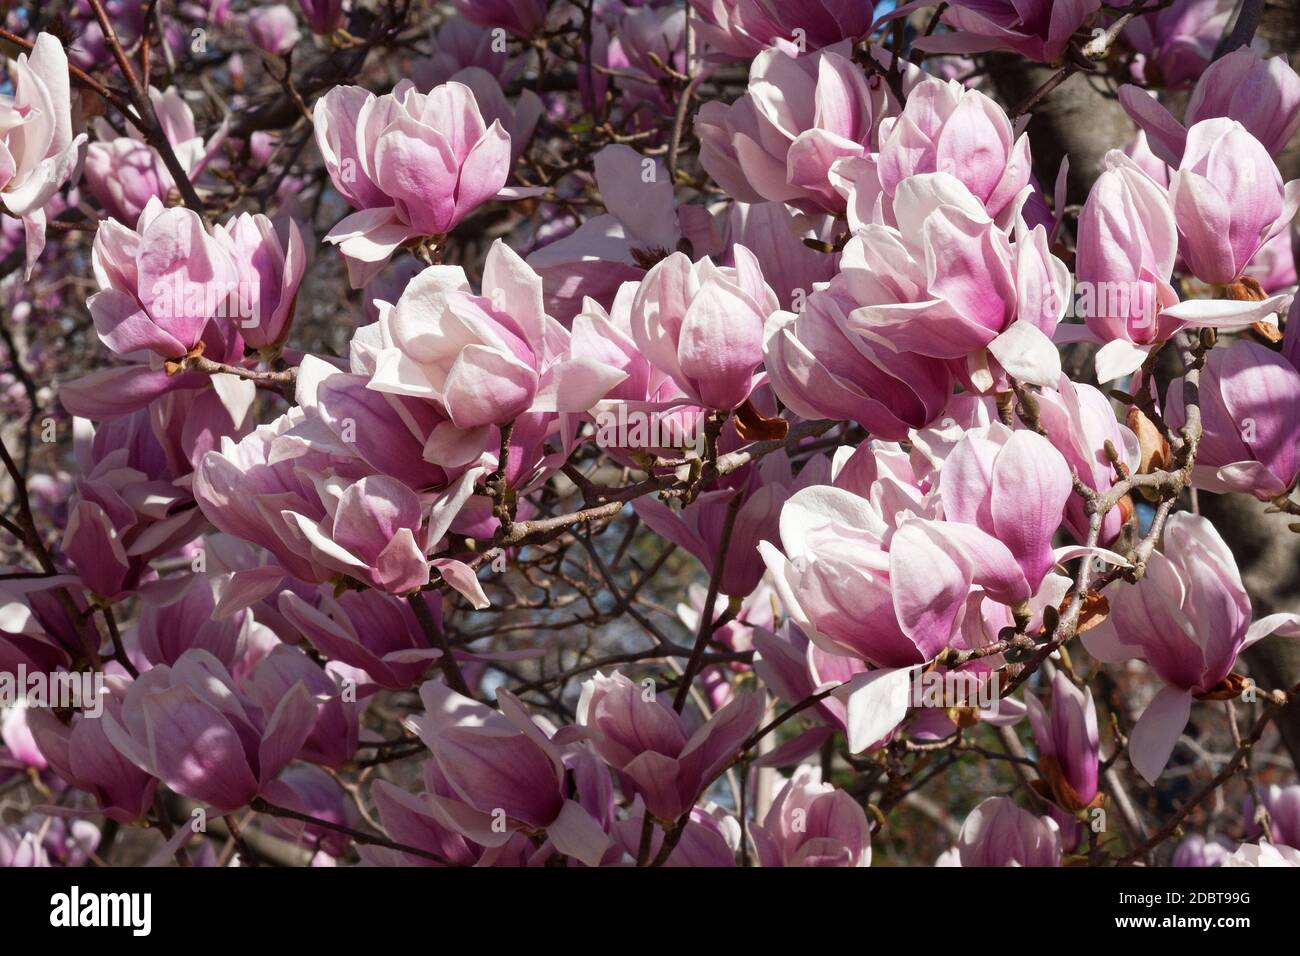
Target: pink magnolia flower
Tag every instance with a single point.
(123, 172)
(16, 735)
(779, 140)
(38, 153)
(520, 17)
(1126, 249)
(322, 16)
(947, 282)
(1013, 485)
(458, 44)
(170, 624)
(369, 630)
(741, 29)
(879, 578)
(1068, 744)
(999, 833)
(160, 284)
(128, 507)
(648, 396)
(374, 530)
(501, 773)
(81, 753)
(388, 432)
(190, 726)
(485, 359)
(650, 746)
(412, 821)
(320, 511)
(946, 128)
(1283, 805)
(710, 837)
(1263, 95)
(1174, 44)
(273, 29)
(1251, 438)
(332, 740)
(1196, 851)
(1188, 618)
(270, 259)
(1081, 420)
(1127, 242)
(811, 823)
(1037, 29)
(413, 165)
(637, 38)
(702, 324)
(821, 366)
(1228, 200)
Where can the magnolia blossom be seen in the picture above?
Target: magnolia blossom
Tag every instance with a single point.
(812, 824)
(821, 366)
(1251, 440)
(161, 283)
(1189, 618)
(1085, 421)
(128, 507)
(879, 577)
(321, 513)
(171, 715)
(171, 624)
(484, 359)
(800, 115)
(80, 752)
(124, 172)
(949, 283)
(374, 632)
(38, 153)
(1175, 42)
(650, 746)
(1228, 200)
(1068, 743)
(1037, 29)
(1129, 240)
(413, 165)
(273, 29)
(1013, 485)
(269, 260)
(745, 28)
(946, 128)
(1263, 95)
(499, 767)
(702, 324)
(999, 833)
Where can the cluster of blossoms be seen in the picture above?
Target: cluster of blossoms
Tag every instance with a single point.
(376, 538)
